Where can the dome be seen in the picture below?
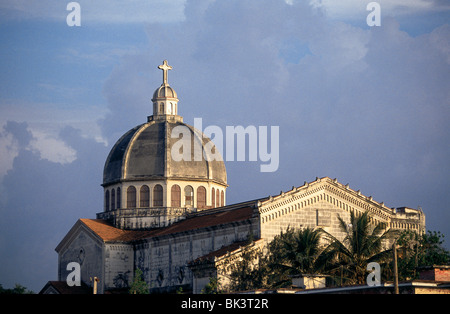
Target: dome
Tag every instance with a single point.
(144, 153)
(162, 170)
(163, 92)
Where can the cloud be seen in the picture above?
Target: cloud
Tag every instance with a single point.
(16, 137)
(46, 119)
(10, 145)
(95, 12)
(356, 9)
(51, 148)
(41, 200)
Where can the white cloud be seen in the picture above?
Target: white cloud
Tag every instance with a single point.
(356, 9)
(50, 118)
(51, 148)
(98, 11)
(44, 144)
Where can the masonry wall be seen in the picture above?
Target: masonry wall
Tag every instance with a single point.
(320, 214)
(164, 259)
(119, 266)
(86, 251)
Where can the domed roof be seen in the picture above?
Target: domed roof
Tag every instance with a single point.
(164, 91)
(144, 153)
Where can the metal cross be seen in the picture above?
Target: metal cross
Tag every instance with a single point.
(165, 68)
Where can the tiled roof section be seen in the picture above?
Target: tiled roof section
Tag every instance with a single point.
(62, 287)
(109, 233)
(221, 252)
(106, 231)
(207, 220)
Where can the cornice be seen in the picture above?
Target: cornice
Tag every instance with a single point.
(328, 190)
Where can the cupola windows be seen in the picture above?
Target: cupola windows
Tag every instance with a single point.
(146, 196)
(131, 197)
(157, 196)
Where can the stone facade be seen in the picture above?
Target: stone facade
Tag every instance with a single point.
(186, 253)
(164, 259)
(321, 202)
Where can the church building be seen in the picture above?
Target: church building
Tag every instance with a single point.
(170, 219)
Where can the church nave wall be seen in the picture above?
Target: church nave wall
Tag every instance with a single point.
(164, 259)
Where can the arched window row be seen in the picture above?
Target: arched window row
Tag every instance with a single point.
(145, 196)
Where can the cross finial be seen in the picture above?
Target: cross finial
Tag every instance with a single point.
(165, 68)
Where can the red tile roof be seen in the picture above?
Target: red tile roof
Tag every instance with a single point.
(105, 230)
(109, 233)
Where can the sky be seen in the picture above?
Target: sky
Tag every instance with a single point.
(368, 105)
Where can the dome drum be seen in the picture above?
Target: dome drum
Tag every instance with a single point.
(148, 201)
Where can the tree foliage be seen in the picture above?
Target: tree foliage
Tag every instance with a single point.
(418, 250)
(18, 289)
(213, 287)
(347, 260)
(139, 286)
(291, 252)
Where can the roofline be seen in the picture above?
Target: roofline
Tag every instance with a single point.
(79, 224)
(252, 203)
(159, 178)
(345, 188)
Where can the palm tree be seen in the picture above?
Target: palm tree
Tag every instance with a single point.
(361, 245)
(293, 252)
(301, 250)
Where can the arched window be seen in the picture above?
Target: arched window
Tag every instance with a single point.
(217, 198)
(131, 197)
(175, 195)
(222, 198)
(213, 198)
(201, 197)
(188, 196)
(119, 199)
(157, 195)
(113, 199)
(161, 108)
(144, 196)
(107, 200)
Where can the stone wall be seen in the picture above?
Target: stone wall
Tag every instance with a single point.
(86, 251)
(119, 266)
(318, 215)
(164, 259)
